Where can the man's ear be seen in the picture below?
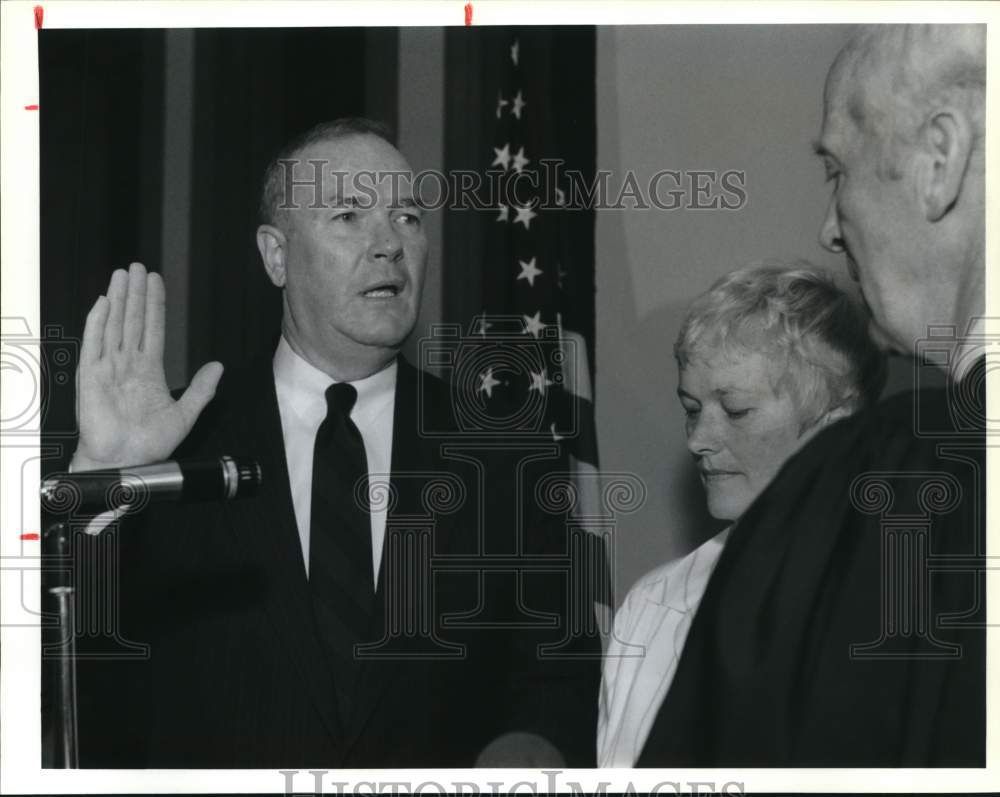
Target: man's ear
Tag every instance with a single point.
(948, 137)
(271, 243)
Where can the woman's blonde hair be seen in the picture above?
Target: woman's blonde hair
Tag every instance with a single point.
(797, 313)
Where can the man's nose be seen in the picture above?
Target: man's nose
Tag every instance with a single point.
(830, 236)
(385, 242)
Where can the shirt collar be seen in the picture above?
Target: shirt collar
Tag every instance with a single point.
(670, 592)
(294, 374)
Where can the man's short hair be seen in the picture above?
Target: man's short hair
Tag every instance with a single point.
(275, 175)
(796, 316)
(895, 76)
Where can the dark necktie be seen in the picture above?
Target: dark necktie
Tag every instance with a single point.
(340, 543)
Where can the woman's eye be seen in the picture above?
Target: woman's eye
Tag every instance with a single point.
(347, 215)
(737, 414)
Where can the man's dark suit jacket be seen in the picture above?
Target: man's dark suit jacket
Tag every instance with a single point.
(237, 678)
(834, 631)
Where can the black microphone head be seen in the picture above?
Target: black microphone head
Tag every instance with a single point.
(243, 475)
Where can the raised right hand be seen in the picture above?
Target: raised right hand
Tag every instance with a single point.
(125, 412)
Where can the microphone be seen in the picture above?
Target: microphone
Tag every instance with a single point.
(221, 479)
(520, 749)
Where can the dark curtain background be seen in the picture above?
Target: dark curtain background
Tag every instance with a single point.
(101, 123)
(102, 159)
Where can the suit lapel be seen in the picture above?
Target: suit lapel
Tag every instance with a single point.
(415, 457)
(265, 527)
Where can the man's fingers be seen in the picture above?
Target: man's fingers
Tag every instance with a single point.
(156, 310)
(135, 308)
(93, 332)
(116, 312)
(200, 391)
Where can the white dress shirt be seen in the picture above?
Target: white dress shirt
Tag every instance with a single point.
(301, 390)
(649, 633)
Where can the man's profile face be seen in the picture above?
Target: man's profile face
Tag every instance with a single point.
(355, 266)
(875, 221)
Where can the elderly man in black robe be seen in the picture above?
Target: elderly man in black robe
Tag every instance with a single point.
(845, 621)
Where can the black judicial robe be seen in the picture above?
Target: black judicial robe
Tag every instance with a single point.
(845, 622)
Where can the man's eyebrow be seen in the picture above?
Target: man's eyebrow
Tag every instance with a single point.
(405, 202)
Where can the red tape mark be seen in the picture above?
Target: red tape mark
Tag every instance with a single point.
(39, 16)
(29, 536)
(468, 14)
(31, 107)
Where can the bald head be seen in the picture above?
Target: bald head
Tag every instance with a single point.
(902, 143)
(888, 79)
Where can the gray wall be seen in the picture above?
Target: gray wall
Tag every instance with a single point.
(692, 98)
(421, 138)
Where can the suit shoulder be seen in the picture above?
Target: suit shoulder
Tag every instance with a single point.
(238, 388)
(431, 383)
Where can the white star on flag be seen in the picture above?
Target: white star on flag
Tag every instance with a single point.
(540, 382)
(560, 197)
(483, 326)
(520, 161)
(504, 213)
(501, 103)
(533, 324)
(488, 382)
(514, 48)
(555, 435)
(524, 216)
(519, 103)
(503, 157)
(529, 271)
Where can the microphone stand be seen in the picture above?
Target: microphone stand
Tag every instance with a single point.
(222, 478)
(56, 542)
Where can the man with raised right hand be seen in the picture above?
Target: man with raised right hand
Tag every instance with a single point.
(309, 626)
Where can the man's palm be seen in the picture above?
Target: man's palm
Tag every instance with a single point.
(125, 411)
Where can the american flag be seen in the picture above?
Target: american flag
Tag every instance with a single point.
(536, 110)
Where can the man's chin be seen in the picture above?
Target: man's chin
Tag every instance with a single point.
(386, 334)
